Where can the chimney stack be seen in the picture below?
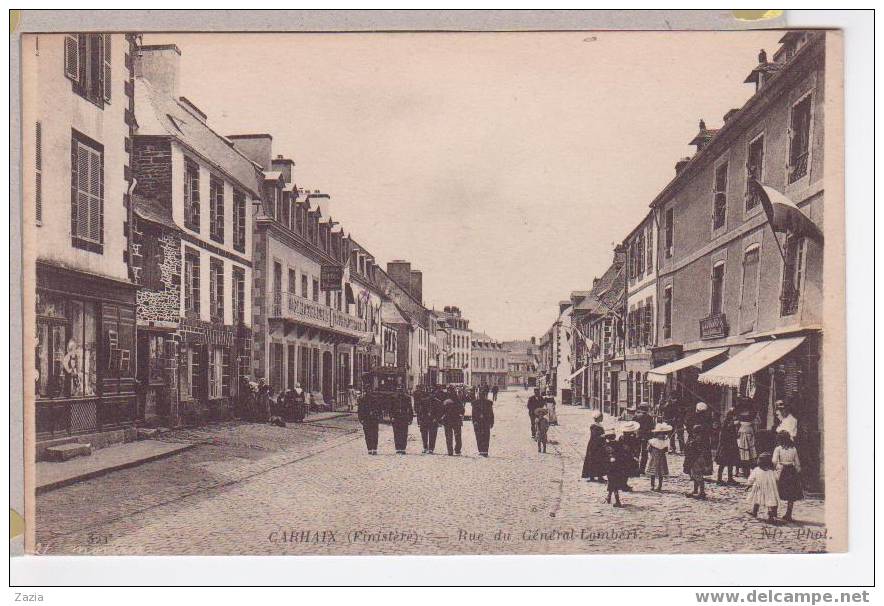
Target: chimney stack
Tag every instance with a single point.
(284, 165)
(256, 147)
(417, 285)
(160, 64)
(680, 165)
(400, 272)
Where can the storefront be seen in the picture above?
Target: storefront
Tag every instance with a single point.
(84, 353)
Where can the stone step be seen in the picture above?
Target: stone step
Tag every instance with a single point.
(64, 452)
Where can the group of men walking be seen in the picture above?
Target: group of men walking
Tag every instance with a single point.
(434, 408)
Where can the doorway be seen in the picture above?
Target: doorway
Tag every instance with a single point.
(328, 378)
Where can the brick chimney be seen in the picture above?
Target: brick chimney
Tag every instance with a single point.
(417, 285)
(681, 164)
(256, 147)
(160, 64)
(400, 272)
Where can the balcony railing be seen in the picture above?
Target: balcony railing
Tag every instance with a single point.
(714, 327)
(289, 306)
(799, 168)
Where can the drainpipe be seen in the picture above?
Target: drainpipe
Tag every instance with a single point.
(130, 212)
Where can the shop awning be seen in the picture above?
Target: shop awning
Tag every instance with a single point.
(749, 361)
(659, 374)
(577, 372)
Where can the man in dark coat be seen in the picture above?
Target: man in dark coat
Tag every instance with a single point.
(494, 391)
(673, 414)
(452, 420)
(369, 414)
(483, 421)
(534, 402)
(401, 415)
(646, 426)
(423, 410)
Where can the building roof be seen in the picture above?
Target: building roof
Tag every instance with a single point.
(391, 313)
(606, 293)
(153, 210)
(164, 115)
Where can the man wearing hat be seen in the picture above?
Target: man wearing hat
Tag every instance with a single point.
(645, 428)
(483, 421)
(534, 402)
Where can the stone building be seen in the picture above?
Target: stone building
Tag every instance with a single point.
(456, 360)
(521, 358)
(403, 285)
(556, 355)
(640, 313)
(489, 362)
(191, 251)
(79, 296)
(740, 293)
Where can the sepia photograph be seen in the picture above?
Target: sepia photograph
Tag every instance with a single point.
(433, 293)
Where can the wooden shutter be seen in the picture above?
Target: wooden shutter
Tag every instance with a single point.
(225, 371)
(38, 164)
(72, 56)
(106, 61)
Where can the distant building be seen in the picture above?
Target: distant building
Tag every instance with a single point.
(457, 352)
(489, 362)
(521, 363)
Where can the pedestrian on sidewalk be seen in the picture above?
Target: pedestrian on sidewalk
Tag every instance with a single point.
(369, 414)
(534, 402)
(657, 466)
(674, 415)
(595, 463)
(550, 402)
(483, 421)
(746, 442)
(541, 419)
(632, 448)
(788, 469)
(728, 453)
(494, 391)
(617, 467)
(424, 413)
(697, 462)
(645, 428)
(452, 420)
(401, 415)
(762, 488)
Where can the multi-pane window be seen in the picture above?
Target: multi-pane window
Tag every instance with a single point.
(754, 170)
(191, 195)
(669, 232)
(649, 321)
(216, 290)
(216, 209)
(799, 139)
(793, 275)
(239, 295)
(316, 290)
(719, 193)
(650, 251)
(304, 287)
(87, 63)
(717, 288)
(667, 312)
(87, 193)
(191, 281)
(239, 220)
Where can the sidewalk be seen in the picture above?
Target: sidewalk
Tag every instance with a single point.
(104, 460)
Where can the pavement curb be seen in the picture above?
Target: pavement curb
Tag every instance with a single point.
(105, 470)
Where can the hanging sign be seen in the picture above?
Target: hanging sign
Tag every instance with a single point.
(331, 277)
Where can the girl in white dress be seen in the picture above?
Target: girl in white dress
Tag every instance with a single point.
(762, 488)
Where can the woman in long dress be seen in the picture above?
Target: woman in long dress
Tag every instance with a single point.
(746, 443)
(788, 470)
(728, 452)
(595, 462)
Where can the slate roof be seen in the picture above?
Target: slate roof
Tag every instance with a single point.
(160, 114)
(606, 293)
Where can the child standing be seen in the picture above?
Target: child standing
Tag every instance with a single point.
(788, 468)
(618, 463)
(542, 428)
(697, 461)
(658, 446)
(763, 488)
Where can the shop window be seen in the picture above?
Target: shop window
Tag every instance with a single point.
(304, 356)
(66, 347)
(290, 367)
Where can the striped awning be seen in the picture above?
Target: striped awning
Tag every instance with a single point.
(749, 361)
(659, 374)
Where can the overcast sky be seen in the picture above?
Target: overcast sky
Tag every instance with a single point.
(504, 166)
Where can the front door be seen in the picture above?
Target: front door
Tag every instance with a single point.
(327, 377)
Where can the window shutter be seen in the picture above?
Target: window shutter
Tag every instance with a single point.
(225, 371)
(106, 57)
(38, 163)
(82, 225)
(72, 56)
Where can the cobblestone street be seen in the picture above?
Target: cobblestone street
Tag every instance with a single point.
(311, 489)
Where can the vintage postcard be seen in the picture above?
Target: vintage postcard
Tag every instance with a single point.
(433, 293)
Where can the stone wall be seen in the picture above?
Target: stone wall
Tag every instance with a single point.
(161, 304)
(152, 166)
